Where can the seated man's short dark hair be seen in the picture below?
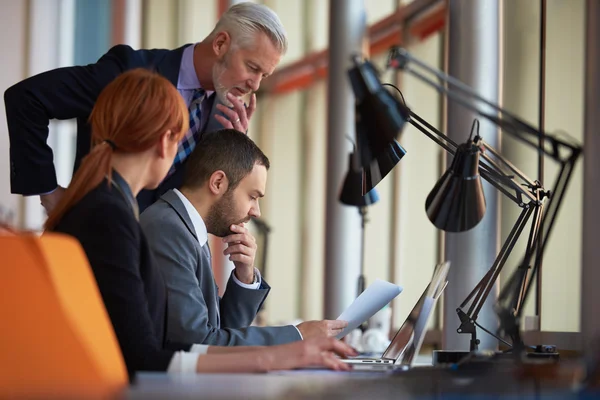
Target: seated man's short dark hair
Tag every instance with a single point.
(226, 150)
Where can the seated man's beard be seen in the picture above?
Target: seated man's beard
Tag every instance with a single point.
(221, 216)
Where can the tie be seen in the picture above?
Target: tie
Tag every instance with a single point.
(206, 255)
(187, 144)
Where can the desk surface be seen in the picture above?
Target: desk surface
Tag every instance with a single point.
(275, 385)
(419, 383)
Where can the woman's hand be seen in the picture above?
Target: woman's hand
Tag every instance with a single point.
(320, 352)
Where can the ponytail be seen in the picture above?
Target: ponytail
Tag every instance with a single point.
(94, 167)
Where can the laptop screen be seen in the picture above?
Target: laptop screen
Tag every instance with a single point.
(405, 333)
(408, 339)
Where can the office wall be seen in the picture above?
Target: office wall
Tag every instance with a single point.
(196, 20)
(292, 14)
(160, 24)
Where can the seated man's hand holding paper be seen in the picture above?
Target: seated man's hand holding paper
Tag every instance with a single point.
(325, 328)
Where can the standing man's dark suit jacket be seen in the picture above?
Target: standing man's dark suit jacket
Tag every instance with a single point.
(67, 93)
(196, 314)
(129, 281)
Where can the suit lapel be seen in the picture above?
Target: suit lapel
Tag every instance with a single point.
(170, 64)
(175, 202)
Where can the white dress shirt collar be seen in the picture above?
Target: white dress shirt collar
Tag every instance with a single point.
(197, 221)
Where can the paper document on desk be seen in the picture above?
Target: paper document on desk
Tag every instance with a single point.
(373, 299)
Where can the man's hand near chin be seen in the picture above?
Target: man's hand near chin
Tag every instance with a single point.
(241, 248)
(238, 115)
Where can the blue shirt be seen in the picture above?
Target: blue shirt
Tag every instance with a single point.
(188, 82)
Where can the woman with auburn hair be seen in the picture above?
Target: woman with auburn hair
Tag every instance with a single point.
(137, 123)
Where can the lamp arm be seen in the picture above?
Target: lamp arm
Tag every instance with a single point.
(478, 296)
(490, 278)
(519, 280)
(489, 170)
(522, 270)
(461, 93)
(507, 164)
(511, 294)
(432, 133)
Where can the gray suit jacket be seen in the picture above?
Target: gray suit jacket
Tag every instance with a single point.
(195, 313)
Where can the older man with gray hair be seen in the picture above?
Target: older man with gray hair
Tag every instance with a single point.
(245, 46)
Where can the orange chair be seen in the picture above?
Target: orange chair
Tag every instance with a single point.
(56, 339)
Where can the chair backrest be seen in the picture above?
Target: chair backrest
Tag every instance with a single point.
(56, 338)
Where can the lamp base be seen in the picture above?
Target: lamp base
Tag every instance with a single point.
(446, 357)
(453, 357)
(544, 351)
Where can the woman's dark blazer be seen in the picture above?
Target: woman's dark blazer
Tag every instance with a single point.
(130, 283)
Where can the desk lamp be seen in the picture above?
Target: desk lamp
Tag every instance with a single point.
(457, 203)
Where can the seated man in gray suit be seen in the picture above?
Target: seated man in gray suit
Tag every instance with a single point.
(224, 179)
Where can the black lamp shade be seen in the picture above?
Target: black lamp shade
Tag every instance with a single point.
(351, 193)
(456, 203)
(381, 165)
(380, 117)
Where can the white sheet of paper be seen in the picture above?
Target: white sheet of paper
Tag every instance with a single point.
(373, 299)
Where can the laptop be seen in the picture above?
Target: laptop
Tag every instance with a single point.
(408, 339)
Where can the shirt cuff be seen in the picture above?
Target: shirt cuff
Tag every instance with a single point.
(199, 349)
(301, 337)
(183, 363)
(255, 285)
(50, 192)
